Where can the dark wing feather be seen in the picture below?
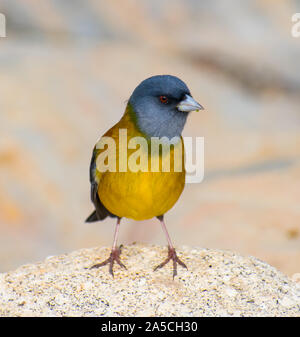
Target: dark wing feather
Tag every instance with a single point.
(100, 212)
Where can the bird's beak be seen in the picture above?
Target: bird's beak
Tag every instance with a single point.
(189, 104)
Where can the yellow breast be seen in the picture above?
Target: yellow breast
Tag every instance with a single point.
(130, 188)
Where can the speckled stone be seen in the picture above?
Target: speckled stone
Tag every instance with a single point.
(217, 283)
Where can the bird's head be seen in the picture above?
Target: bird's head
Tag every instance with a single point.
(161, 105)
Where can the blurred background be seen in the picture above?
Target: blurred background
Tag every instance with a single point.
(68, 66)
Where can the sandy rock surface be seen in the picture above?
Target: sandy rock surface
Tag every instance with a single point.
(217, 283)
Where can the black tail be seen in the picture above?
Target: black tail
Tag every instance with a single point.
(100, 214)
(92, 218)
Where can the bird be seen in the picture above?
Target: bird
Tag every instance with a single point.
(156, 110)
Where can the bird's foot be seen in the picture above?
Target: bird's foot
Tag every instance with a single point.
(114, 256)
(171, 256)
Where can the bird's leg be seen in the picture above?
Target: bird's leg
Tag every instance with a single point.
(171, 251)
(115, 253)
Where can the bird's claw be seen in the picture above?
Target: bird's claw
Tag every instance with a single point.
(114, 256)
(171, 256)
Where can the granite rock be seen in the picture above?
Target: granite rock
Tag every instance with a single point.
(217, 283)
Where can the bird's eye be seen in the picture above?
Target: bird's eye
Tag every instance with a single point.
(164, 99)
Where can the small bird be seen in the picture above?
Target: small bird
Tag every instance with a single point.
(157, 109)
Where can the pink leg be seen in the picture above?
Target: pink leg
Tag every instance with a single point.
(171, 251)
(115, 253)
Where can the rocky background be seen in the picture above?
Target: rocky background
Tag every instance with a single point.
(66, 71)
(217, 283)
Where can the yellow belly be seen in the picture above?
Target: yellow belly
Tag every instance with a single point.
(141, 195)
